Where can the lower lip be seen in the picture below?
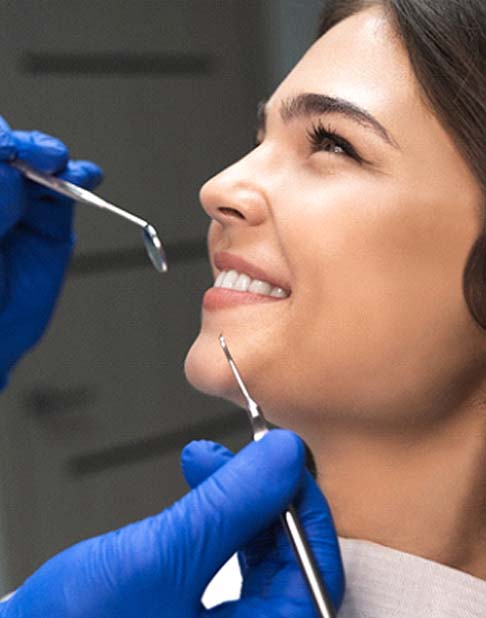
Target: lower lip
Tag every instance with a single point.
(221, 298)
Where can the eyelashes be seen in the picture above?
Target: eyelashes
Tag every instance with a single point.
(325, 139)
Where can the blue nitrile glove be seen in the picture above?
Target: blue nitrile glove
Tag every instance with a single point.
(273, 585)
(159, 567)
(36, 238)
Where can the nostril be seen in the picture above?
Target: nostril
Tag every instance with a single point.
(231, 212)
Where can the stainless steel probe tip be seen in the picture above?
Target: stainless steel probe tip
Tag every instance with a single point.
(232, 365)
(239, 380)
(222, 341)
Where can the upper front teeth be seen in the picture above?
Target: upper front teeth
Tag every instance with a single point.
(233, 280)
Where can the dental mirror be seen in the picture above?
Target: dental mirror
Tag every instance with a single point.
(154, 248)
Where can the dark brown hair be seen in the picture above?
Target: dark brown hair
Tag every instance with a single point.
(446, 43)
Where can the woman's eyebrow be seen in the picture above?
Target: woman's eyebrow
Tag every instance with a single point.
(311, 104)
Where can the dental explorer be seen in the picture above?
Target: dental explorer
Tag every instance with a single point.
(152, 242)
(290, 519)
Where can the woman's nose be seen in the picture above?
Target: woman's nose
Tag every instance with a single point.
(233, 201)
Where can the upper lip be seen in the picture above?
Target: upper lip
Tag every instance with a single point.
(228, 261)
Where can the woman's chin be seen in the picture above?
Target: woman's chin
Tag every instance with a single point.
(207, 370)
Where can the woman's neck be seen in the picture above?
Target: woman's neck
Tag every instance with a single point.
(421, 494)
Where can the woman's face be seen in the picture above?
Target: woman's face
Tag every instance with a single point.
(368, 230)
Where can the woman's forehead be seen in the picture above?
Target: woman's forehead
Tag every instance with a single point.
(359, 60)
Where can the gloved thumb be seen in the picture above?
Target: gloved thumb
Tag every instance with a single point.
(201, 458)
(240, 500)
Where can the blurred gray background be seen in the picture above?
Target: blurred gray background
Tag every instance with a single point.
(162, 94)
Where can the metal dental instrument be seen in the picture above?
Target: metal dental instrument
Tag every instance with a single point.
(290, 519)
(152, 242)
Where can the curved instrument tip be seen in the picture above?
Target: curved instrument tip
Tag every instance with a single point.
(224, 345)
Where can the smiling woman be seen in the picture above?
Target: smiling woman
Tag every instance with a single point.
(364, 200)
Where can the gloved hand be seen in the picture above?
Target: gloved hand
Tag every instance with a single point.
(159, 567)
(273, 585)
(36, 238)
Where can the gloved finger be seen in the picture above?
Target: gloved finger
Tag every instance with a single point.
(201, 458)
(51, 215)
(242, 498)
(268, 562)
(7, 144)
(316, 518)
(85, 174)
(44, 152)
(41, 151)
(13, 198)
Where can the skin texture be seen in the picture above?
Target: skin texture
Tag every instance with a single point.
(373, 359)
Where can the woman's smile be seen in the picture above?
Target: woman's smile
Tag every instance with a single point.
(240, 282)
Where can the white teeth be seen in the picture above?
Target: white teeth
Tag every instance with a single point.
(219, 279)
(241, 282)
(260, 287)
(278, 293)
(230, 279)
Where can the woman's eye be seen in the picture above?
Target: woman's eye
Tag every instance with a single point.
(324, 139)
(329, 145)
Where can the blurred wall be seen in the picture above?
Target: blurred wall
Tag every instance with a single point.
(289, 28)
(162, 94)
